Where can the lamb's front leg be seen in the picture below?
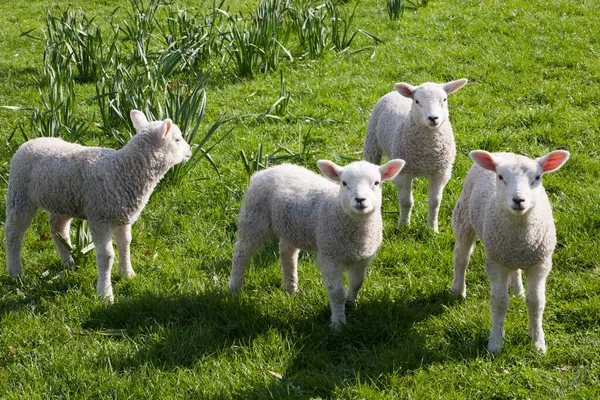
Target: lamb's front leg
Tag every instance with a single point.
(403, 183)
(536, 301)
(437, 183)
(332, 272)
(499, 302)
(123, 238)
(105, 256)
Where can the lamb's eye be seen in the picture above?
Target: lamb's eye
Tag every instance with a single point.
(500, 177)
(417, 101)
(376, 183)
(444, 100)
(537, 178)
(344, 183)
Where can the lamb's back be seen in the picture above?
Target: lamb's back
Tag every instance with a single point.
(388, 115)
(290, 198)
(59, 175)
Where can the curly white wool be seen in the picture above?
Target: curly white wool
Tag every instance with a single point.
(504, 203)
(340, 222)
(109, 188)
(412, 123)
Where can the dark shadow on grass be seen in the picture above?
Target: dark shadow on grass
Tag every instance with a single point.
(381, 337)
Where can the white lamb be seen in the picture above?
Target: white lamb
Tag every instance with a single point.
(504, 203)
(412, 123)
(108, 188)
(341, 223)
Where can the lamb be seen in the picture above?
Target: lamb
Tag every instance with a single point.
(412, 123)
(504, 203)
(108, 188)
(341, 223)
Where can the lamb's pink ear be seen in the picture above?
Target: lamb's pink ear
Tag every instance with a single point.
(390, 169)
(453, 86)
(405, 89)
(166, 127)
(553, 161)
(330, 169)
(484, 159)
(138, 119)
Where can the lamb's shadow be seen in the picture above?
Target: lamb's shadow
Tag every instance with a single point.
(382, 336)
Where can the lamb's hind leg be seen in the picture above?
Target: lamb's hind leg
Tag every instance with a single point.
(60, 225)
(516, 283)
(18, 219)
(123, 238)
(403, 183)
(462, 252)
(246, 246)
(289, 266)
(105, 256)
(356, 277)
(436, 189)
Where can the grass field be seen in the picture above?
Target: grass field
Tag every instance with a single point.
(176, 331)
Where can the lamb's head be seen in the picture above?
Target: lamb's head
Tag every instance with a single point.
(430, 101)
(165, 137)
(518, 178)
(360, 189)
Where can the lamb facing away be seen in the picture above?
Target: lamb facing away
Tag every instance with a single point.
(412, 123)
(504, 203)
(109, 188)
(341, 223)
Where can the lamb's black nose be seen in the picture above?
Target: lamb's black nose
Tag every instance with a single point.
(433, 119)
(359, 200)
(518, 200)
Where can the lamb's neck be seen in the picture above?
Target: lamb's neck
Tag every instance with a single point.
(140, 169)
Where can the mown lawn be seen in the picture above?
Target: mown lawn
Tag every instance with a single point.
(176, 331)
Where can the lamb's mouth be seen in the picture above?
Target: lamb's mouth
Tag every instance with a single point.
(518, 210)
(361, 208)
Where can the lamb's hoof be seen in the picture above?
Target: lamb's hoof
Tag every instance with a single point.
(336, 326)
(495, 345)
(16, 274)
(107, 298)
(234, 287)
(540, 347)
(68, 263)
(291, 288)
(128, 274)
(458, 294)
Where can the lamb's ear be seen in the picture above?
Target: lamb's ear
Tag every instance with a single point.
(390, 169)
(453, 86)
(405, 89)
(138, 119)
(553, 161)
(166, 127)
(330, 169)
(484, 159)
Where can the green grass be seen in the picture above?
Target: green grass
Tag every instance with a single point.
(175, 331)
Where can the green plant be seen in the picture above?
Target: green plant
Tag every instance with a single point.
(257, 44)
(395, 8)
(82, 245)
(187, 109)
